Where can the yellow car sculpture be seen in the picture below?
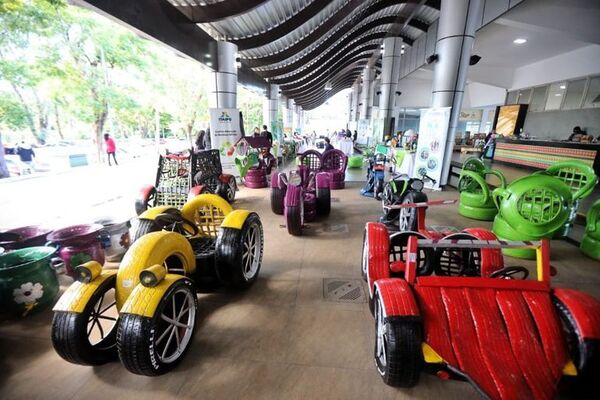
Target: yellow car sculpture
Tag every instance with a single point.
(144, 313)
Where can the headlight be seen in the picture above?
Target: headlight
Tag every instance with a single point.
(416, 185)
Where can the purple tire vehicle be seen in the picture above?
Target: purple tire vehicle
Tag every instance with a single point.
(301, 197)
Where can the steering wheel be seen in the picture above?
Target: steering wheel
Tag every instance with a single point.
(177, 223)
(510, 273)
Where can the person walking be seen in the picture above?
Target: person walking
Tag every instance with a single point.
(111, 148)
(265, 133)
(26, 154)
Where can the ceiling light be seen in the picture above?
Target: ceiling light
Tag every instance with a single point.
(519, 41)
(382, 47)
(209, 64)
(558, 94)
(402, 51)
(328, 86)
(563, 87)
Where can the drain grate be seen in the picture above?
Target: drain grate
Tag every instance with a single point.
(343, 290)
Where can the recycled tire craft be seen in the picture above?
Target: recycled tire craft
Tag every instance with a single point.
(71, 331)
(140, 339)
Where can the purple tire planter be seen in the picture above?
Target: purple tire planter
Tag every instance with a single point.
(256, 185)
(26, 236)
(255, 179)
(255, 172)
(78, 244)
(323, 180)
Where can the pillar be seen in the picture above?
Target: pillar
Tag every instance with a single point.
(354, 113)
(271, 107)
(224, 94)
(456, 33)
(297, 125)
(288, 114)
(390, 73)
(367, 79)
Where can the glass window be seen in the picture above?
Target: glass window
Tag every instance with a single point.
(592, 99)
(555, 95)
(511, 98)
(538, 99)
(524, 96)
(574, 94)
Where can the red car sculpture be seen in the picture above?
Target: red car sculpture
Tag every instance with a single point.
(511, 339)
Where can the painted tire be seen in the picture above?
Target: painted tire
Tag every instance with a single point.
(227, 190)
(397, 351)
(140, 339)
(323, 201)
(425, 257)
(364, 256)
(145, 200)
(255, 172)
(256, 185)
(310, 216)
(239, 253)
(70, 330)
(256, 179)
(143, 227)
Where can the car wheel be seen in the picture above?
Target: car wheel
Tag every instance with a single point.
(323, 201)
(293, 219)
(277, 196)
(240, 252)
(408, 217)
(155, 345)
(89, 337)
(142, 227)
(398, 353)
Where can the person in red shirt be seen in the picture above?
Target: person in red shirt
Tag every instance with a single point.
(111, 148)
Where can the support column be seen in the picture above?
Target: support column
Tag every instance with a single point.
(392, 47)
(367, 80)
(296, 122)
(456, 33)
(354, 113)
(224, 94)
(271, 107)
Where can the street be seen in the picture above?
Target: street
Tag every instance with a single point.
(78, 195)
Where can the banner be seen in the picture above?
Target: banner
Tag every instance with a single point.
(225, 131)
(433, 132)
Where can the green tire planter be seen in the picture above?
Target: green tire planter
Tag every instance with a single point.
(355, 162)
(28, 282)
(590, 243)
(504, 232)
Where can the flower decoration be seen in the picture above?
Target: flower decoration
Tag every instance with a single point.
(28, 293)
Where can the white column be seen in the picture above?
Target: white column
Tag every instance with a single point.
(456, 33)
(390, 73)
(271, 107)
(354, 113)
(224, 94)
(367, 79)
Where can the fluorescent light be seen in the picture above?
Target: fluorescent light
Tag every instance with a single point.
(519, 41)
(563, 87)
(558, 94)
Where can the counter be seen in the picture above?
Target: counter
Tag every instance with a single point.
(540, 154)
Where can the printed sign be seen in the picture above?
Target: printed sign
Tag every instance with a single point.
(224, 132)
(433, 132)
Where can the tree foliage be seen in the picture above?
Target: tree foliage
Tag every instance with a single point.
(69, 73)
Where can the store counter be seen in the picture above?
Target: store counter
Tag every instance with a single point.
(540, 154)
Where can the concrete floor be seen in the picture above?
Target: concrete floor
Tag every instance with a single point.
(279, 340)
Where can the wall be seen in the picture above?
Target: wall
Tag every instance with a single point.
(574, 64)
(559, 124)
(415, 93)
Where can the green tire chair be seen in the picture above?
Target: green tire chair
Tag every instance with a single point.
(590, 244)
(476, 200)
(531, 208)
(581, 178)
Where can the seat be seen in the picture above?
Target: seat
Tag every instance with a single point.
(334, 162)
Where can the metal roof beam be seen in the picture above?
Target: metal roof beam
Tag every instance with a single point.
(216, 11)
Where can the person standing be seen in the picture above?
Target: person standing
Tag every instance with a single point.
(111, 148)
(267, 134)
(200, 141)
(328, 145)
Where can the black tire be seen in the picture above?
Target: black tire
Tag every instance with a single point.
(70, 332)
(323, 201)
(294, 220)
(138, 337)
(401, 342)
(230, 258)
(378, 189)
(227, 190)
(143, 227)
(408, 217)
(277, 197)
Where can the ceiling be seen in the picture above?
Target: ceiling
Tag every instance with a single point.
(303, 44)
